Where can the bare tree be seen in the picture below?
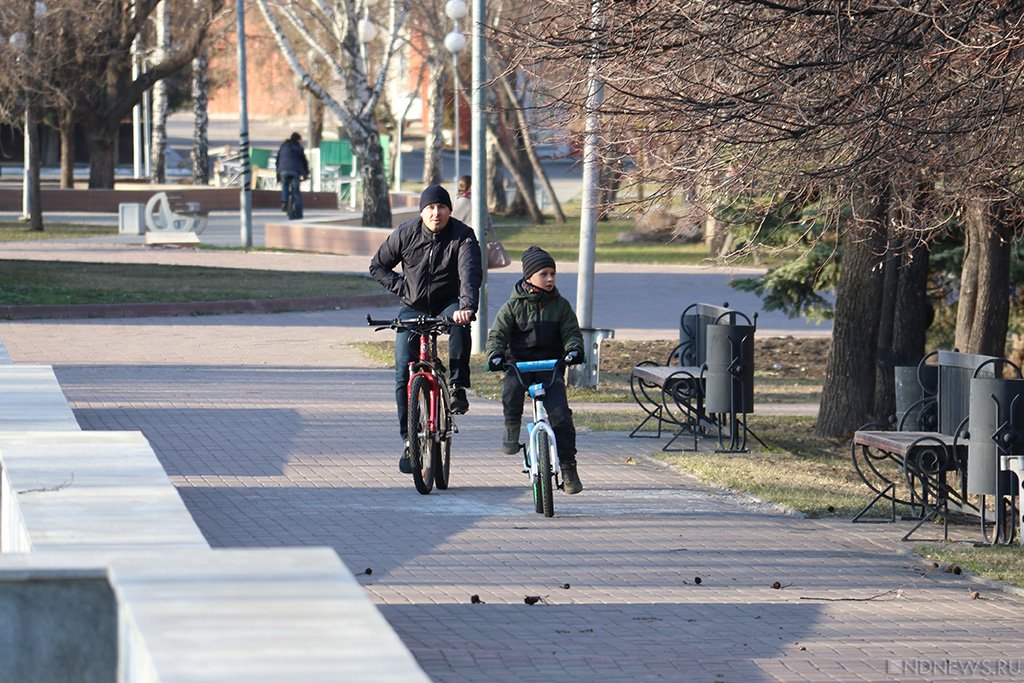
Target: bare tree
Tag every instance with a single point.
(102, 90)
(162, 45)
(332, 32)
(748, 97)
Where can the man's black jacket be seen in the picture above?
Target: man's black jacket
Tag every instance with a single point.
(437, 268)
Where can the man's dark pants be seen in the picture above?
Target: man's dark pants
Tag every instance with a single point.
(407, 348)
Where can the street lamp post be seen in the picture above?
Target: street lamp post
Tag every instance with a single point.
(478, 144)
(455, 42)
(245, 199)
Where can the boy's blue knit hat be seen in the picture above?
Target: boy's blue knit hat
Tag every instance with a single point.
(534, 259)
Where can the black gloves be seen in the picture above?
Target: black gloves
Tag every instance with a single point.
(574, 357)
(495, 363)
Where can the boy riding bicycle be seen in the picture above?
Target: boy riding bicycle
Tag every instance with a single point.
(537, 323)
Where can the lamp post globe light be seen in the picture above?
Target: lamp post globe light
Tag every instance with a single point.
(455, 42)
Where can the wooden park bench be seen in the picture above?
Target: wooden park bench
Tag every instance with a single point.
(675, 393)
(170, 216)
(922, 464)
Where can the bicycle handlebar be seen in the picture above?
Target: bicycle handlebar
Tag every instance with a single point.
(422, 323)
(554, 365)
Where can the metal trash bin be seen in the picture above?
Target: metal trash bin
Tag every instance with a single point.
(587, 374)
(729, 381)
(997, 418)
(914, 383)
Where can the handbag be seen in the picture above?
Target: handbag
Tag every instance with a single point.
(497, 257)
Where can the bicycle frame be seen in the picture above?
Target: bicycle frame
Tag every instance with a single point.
(540, 416)
(424, 366)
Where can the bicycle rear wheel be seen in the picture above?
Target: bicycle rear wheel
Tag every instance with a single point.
(543, 494)
(421, 441)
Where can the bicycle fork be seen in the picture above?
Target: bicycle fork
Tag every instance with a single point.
(533, 429)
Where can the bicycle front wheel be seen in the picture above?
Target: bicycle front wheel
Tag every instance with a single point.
(442, 462)
(543, 493)
(421, 456)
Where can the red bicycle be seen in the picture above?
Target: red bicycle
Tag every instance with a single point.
(430, 425)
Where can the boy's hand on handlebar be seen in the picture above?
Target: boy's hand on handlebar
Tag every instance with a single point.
(574, 357)
(463, 316)
(495, 363)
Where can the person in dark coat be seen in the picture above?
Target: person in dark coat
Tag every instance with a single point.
(292, 169)
(441, 276)
(538, 323)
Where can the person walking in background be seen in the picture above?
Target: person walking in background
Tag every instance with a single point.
(292, 169)
(462, 209)
(441, 276)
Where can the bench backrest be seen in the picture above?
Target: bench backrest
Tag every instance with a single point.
(693, 327)
(954, 390)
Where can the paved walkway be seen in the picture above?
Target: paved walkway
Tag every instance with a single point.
(277, 433)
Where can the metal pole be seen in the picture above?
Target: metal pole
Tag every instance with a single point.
(147, 134)
(26, 183)
(458, 148)
(245, 202)
(478, 140)
(136, 124)
(588, 210)
(398, 155)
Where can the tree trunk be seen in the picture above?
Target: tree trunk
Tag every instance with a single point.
(66, 121)
(497, 201)
(847, 397)
(200, 98)
(100, 140)
(35, 204)
(433, 146)
(982, 314)
(376, 198)
(914, 312)
(158, 143)
(521, 181)
(316, 120)
(884, 403)
(538, 169)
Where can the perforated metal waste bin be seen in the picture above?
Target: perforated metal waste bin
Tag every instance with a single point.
(913, 384)
(997, 423)
(587, 374)
(729, 381)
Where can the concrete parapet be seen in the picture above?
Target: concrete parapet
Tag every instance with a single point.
(341, 234)
(245, 615)
(31, 399)
(88, 491)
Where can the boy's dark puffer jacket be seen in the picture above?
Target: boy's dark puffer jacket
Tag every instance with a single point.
(433, 274)
(534, 325)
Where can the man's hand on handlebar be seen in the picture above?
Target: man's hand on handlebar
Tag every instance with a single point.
(463, 316)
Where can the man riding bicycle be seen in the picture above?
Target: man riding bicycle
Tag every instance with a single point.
(441, 276)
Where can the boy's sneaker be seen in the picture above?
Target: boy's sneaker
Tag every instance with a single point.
(460, 404)
(570, 480)
(510, 444)
(404, 466)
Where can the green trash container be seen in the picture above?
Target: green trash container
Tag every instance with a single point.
(260, 157)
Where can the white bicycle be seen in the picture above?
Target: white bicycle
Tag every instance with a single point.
(541, 456)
